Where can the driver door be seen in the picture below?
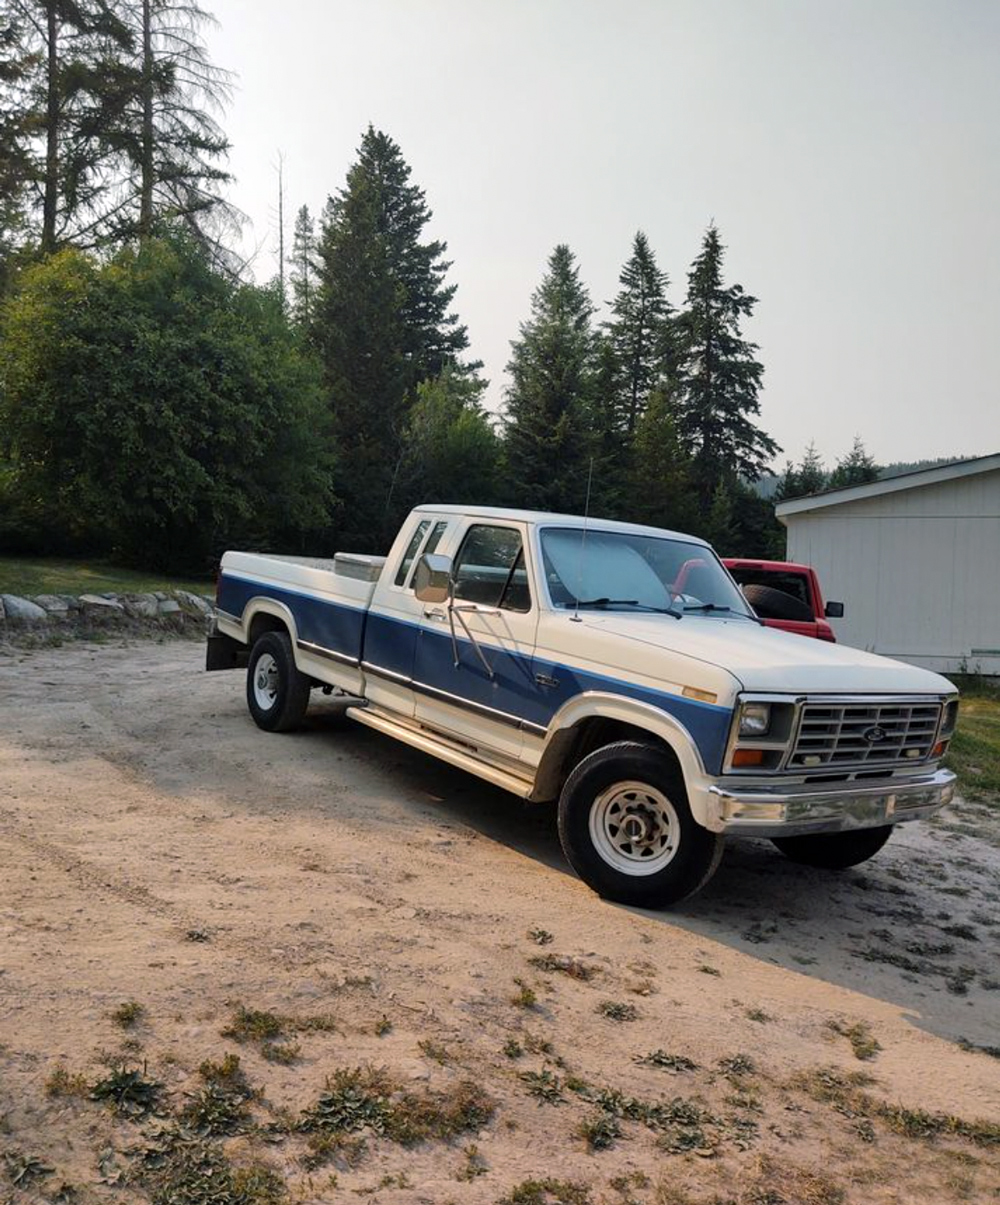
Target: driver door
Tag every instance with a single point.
(473, 678)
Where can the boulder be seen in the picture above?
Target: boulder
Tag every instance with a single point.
(21, 610)
(97, 604)
(141, 606)
(54, 604)
(194, 604)
(169, 606)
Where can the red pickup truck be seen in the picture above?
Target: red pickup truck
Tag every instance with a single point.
(786, 595)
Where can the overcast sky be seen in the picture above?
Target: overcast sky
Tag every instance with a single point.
(848, 151)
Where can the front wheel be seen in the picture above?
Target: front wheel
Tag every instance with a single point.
(277, 691)
(835, 851)
(628, 832)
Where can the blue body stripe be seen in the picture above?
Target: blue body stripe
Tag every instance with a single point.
(417, 652)
(332, 625)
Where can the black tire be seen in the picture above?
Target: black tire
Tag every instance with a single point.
(770, 603)
(835, 851)
(696, 851)
(290, 686)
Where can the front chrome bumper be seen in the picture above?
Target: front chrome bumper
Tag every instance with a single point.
(796, 811)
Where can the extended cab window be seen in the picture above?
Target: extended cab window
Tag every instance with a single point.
(411, 551)
(490, 569)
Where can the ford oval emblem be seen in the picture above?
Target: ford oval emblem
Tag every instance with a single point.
(874, 735)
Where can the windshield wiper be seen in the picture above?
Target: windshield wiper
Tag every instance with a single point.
(622, 602)
(719, 607)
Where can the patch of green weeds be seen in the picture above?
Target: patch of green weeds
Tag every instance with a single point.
(221, 1105)
(667, 1062)
(625, 1183)
(435, 1051)
(128, 1015)
(544, 1085)
(383, 1026)
(345, 1150)
(62, 1083)
(758, 1015)
(863, 1042)
(182, 1172)
(564, 965)
(709, 970)
(541, 937)
(600, 1130)
(475, 1165)
(284, 1053)
(736, 1066)
(254, 1025)
(128, 1091)
(547, 1192)
(22, 1169)
(366, 1098)
(525, 996)
(512, 1048)
(845, 1094)
(617, 1010)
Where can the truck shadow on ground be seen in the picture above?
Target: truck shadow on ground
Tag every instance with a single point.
(918, 926)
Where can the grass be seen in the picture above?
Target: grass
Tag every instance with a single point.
(974, 754)
(44, 575)
(128, 1015)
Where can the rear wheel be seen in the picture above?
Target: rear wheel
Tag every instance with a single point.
(277, 691)
(627, 830)
(835, 851)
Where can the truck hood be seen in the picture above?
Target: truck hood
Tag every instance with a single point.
(767, 659)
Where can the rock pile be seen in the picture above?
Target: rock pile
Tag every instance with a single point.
(71, 614)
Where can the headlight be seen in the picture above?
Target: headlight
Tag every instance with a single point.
(755, 719)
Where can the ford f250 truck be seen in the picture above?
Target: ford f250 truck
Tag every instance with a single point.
(614, 668)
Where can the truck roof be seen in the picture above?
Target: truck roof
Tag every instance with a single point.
(541, 517)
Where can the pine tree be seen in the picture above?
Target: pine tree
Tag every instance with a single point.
(169, 145)
(551, 369)
(302, 274)
(719, 378)
(58, 82)
(639, 332)
(659, 478)
(808, 478)
(856, 468)
(720, 526)
(382, 324)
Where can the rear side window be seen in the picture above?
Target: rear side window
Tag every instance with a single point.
(411, 551)
(490, 569)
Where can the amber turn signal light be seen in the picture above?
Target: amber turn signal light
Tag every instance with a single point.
(939, 749)
(748, 757)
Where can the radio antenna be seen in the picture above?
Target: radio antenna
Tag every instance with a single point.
(575, 618)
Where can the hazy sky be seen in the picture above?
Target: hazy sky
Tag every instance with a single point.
(848, 151)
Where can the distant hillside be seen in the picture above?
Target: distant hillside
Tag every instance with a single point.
(913, 466)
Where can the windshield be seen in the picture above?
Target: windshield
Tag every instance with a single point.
(625, 571)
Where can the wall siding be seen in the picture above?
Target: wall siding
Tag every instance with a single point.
(918, 571)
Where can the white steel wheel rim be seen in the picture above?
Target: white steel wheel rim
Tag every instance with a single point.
(634, 828)
(265, 681)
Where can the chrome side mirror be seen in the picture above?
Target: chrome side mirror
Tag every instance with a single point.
(432, 580)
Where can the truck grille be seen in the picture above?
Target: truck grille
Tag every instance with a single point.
(848, 734)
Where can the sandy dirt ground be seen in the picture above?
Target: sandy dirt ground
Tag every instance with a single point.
(366, 905)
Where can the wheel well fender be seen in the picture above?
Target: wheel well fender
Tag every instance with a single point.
(267, 615)
(594, 719)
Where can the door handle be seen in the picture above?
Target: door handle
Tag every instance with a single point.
(435, 613)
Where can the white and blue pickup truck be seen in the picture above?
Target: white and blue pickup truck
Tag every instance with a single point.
(614, 668)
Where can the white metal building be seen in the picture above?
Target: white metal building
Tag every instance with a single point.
(915, 560)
